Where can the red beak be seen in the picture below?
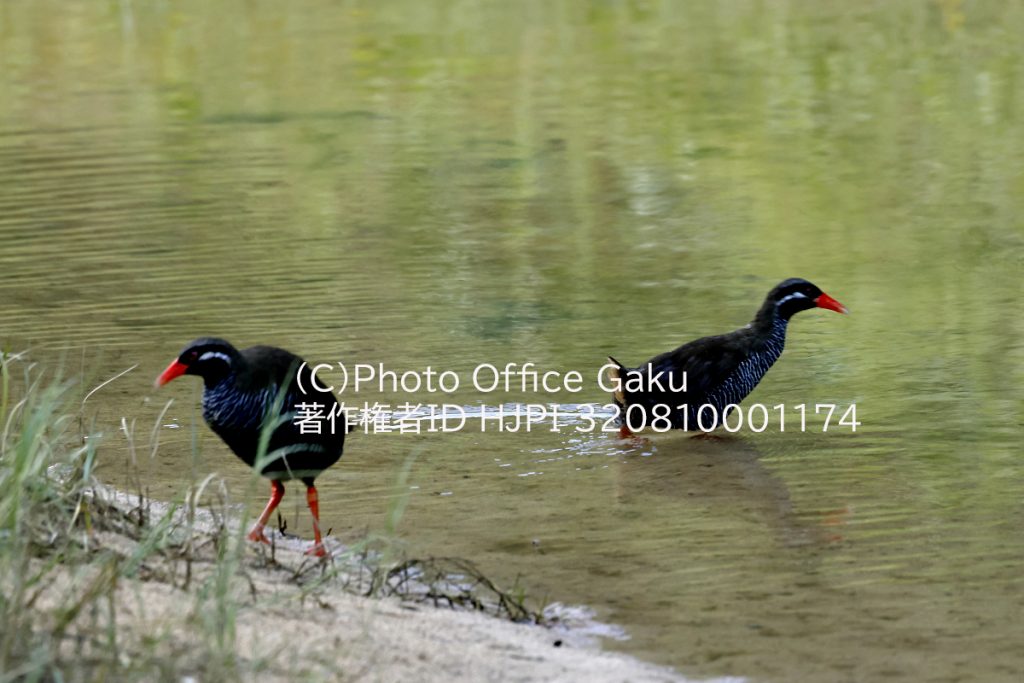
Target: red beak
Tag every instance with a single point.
(825, 301)
(175, 369)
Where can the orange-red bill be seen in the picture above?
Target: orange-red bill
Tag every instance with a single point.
(175, 369)
(825, 301)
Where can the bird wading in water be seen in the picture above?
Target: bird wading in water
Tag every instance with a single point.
(717, 371)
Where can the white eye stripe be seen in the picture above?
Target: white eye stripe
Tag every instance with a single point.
(794, 295)
(215, 354)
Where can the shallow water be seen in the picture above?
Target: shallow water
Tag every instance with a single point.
(468, 183)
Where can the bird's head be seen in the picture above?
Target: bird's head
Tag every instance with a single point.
(210, 358)
(795, 295)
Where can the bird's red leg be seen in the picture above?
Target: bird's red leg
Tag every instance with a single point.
(276, 494)
(314, 507)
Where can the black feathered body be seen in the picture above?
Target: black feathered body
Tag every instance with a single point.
(717, 371)
(238, 404)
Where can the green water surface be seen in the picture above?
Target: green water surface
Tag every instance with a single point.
(452, 183)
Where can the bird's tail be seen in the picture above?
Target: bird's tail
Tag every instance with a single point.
(617, 374)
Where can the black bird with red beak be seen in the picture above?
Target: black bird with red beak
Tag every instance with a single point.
(242, 392)
(719, 370)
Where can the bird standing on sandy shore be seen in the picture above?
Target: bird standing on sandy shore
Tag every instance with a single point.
(242, 393)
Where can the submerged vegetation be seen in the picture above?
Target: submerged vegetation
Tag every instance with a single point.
(96, 582)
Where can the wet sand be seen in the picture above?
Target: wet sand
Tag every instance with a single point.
(285, 630)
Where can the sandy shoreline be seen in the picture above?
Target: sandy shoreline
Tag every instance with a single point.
(285, 631)
(385, 640)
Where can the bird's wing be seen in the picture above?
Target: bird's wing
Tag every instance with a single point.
(686, 375)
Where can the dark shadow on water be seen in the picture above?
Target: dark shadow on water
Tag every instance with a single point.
(723, 475)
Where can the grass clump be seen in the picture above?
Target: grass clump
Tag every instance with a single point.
(41, 525)
(98, 584)
(68, 551)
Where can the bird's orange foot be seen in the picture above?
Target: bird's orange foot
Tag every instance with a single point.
(256, 535)
(624, 432)
(317, 550)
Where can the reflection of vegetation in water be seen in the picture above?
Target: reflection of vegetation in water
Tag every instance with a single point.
(773, 141)
(452, 183)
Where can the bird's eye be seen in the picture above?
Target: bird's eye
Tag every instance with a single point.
(192, 355)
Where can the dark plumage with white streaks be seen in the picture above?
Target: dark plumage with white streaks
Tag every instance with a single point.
(719, 370)
(241, 390)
